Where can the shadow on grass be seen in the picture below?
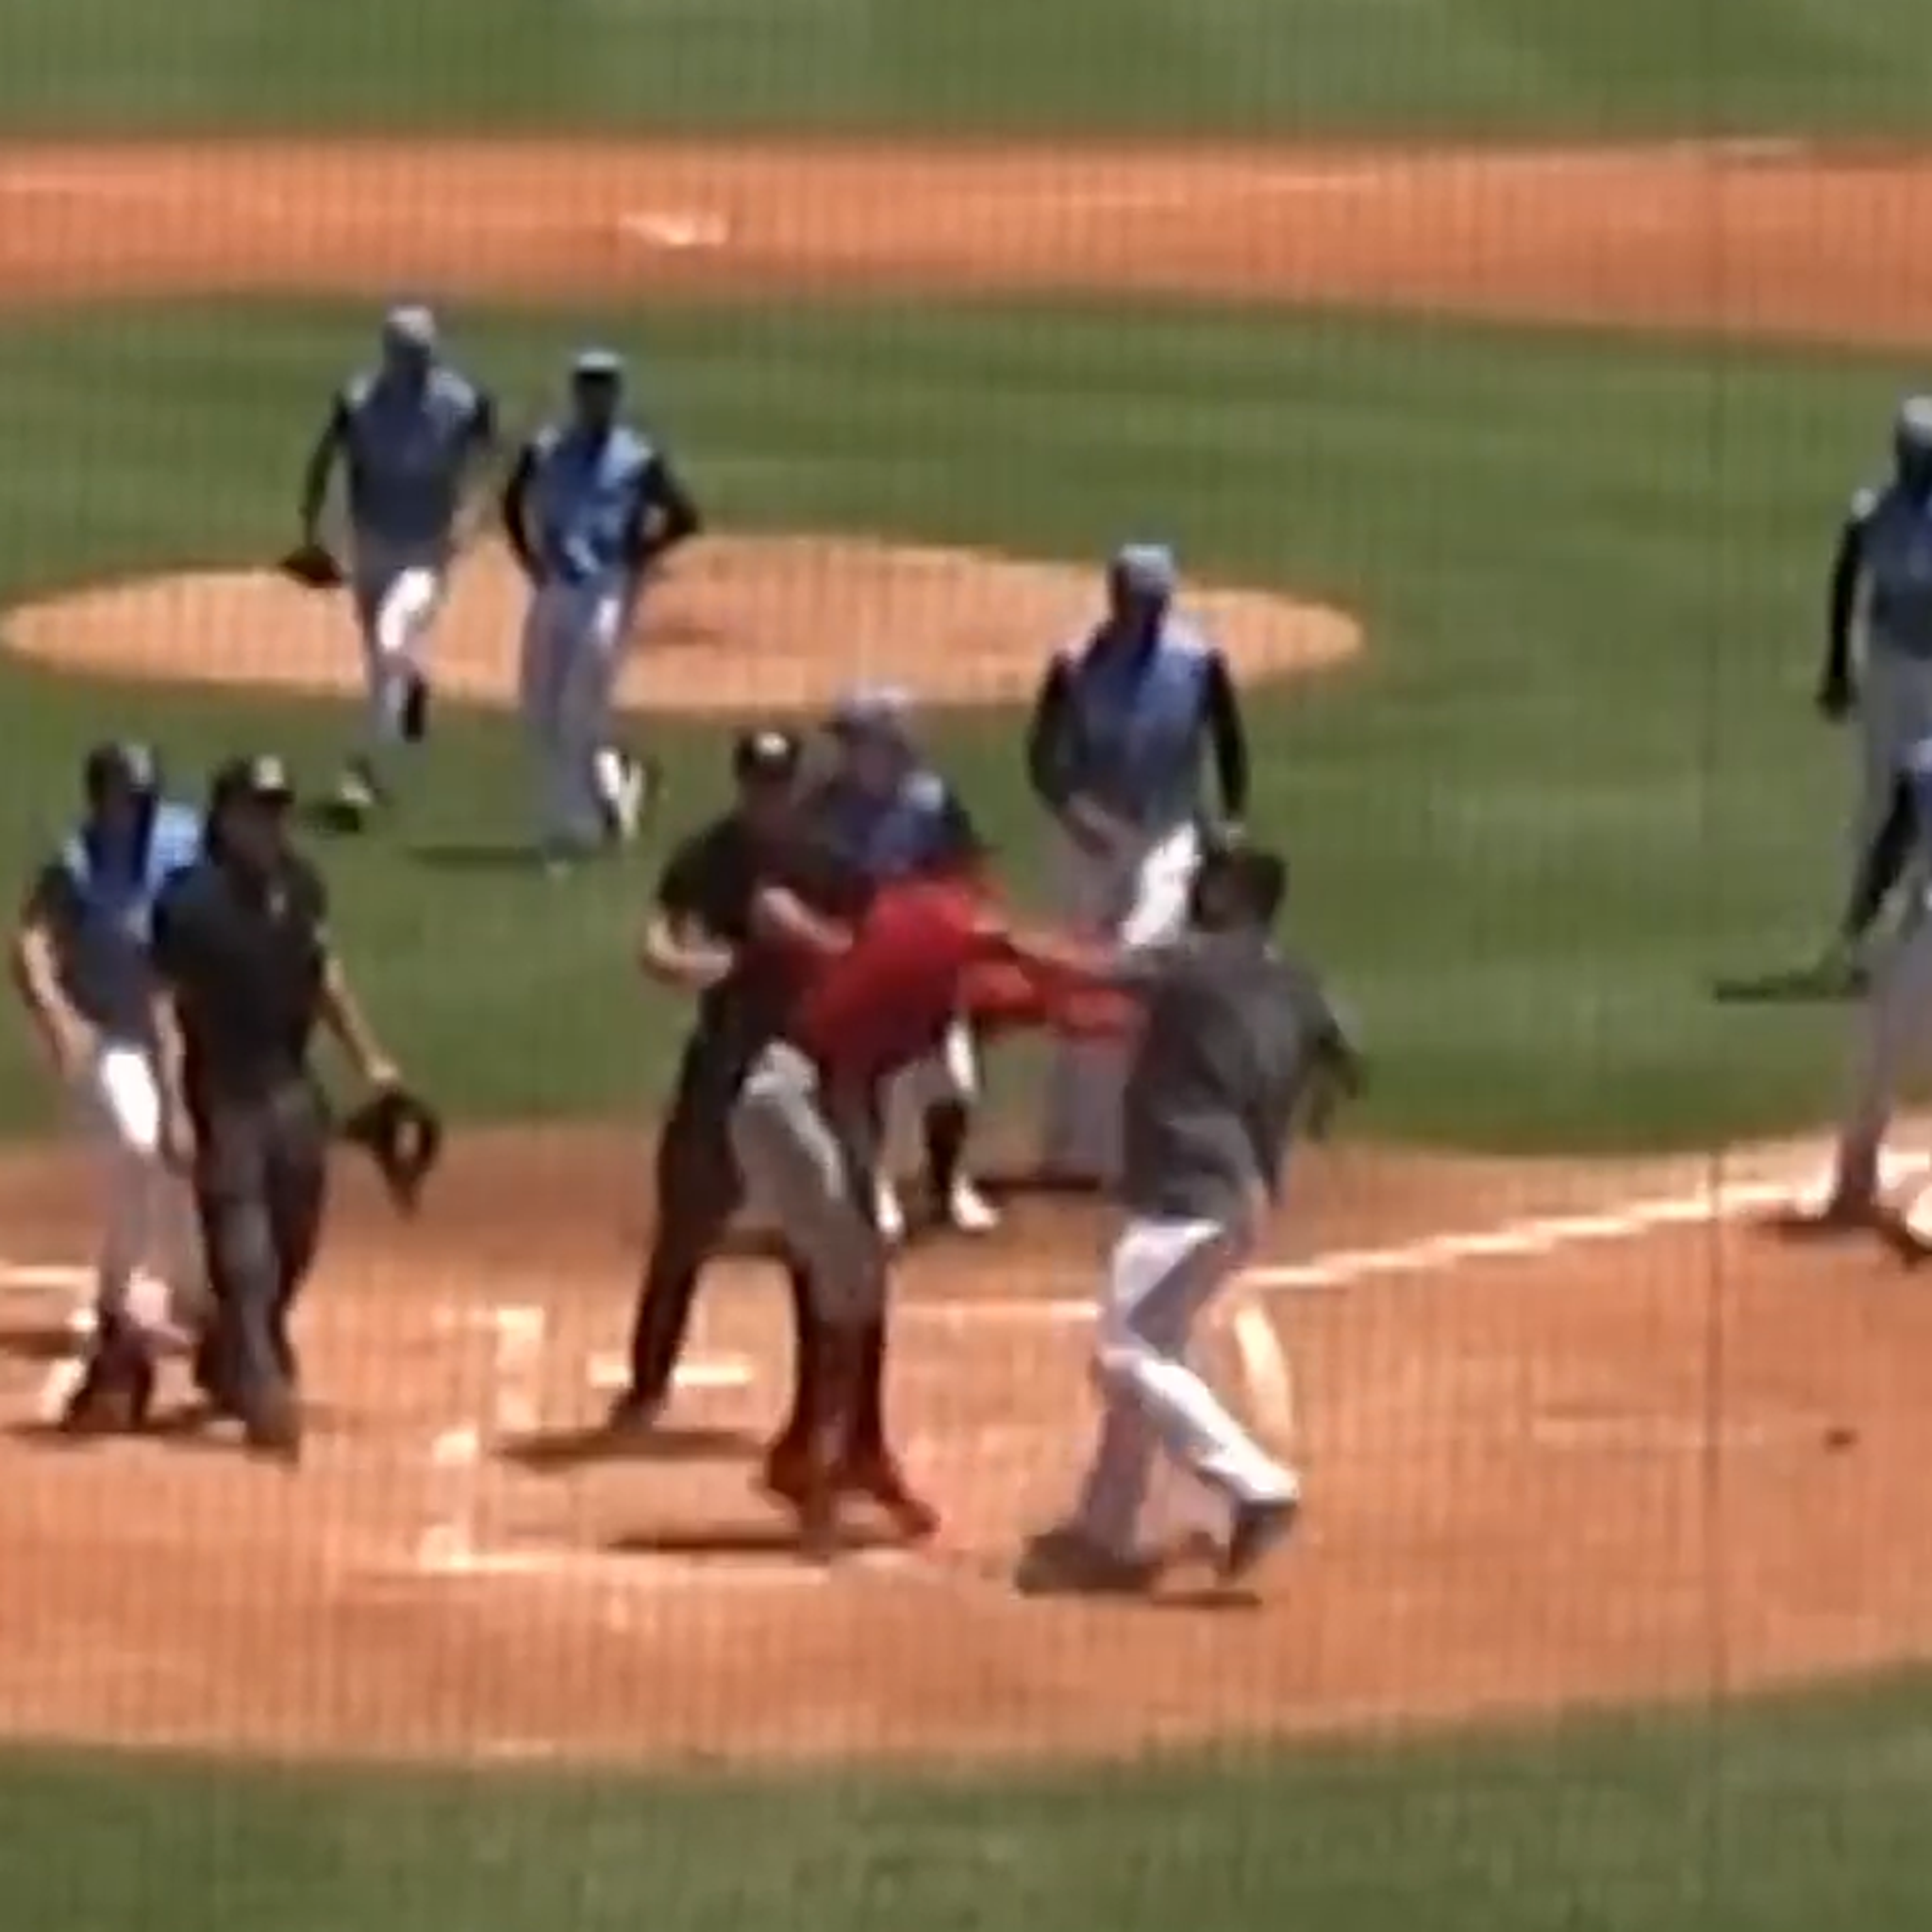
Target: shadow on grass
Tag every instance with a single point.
(478, 855)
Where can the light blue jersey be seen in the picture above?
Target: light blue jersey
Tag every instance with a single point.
(1895, 537)
(103, 962)
(406, 453)
(584, 504)
(1138, 722)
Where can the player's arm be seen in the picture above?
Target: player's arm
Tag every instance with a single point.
(1835, 688)
(1228, 734)
(678, 949)
(320, 466)
(482, 448)
(668, 514)
(780, 917)
(46, 918)
(1052, 739)
(1338, 1067)
(340, 1012)
(512, 506)
(171, 940)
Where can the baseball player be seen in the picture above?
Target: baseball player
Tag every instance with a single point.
(872, 1001)
(1119, 729)
(80, 961)
(245, 970)
(696, 943)
(411, 437)
(1235, 1041)
(1881, 588)
(890, 815)
(591, 505)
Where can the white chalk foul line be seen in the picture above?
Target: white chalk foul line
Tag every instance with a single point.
(677, 228)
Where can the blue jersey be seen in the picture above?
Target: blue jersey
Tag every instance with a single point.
(918, 826)
(1893, 534)
(406, 453)
(584, 504)
(104, 945)
(1138, 724)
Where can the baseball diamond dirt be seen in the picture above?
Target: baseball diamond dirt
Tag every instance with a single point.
(1533, 1481)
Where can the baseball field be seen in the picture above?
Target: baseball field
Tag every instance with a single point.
(1500, 369)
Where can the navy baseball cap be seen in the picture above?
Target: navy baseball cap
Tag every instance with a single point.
(263, 779)
(765, 757)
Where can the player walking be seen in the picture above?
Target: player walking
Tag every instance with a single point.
(80, 961)
(1236, 1040)
(1881, 584)
(889, 814)
(1121, 730)
(412, 437)
(591, 505)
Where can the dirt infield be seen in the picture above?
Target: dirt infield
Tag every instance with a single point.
(1535, 1479)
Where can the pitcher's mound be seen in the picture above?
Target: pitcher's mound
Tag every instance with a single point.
(736, 624)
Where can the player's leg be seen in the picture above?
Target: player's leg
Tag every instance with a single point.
(122, 1107)
(619, 782)
(542, 673)
(1893, 714)
(1891, 1036)
(1163, 1277)
(595, 792)
(1080, 1142)
(946, 1089)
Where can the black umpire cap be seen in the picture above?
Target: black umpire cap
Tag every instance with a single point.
(263, 779)
(765, 757)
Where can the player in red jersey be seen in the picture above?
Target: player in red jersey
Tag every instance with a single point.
(872, 999)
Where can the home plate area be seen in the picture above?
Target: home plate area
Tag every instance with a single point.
(988, 1407)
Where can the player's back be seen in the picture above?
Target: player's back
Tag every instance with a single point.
(1232, 1030)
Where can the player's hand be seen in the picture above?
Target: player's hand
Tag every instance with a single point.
(381, 1075)
(76, 1047)
(1835, 698)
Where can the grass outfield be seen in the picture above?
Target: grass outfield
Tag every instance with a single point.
(1294, 67)
(1785, 1818)
(1576, 776)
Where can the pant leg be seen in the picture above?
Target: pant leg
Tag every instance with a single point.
(698, 1192)
(1893, 1032)
(600, 631)
(122, 1103)
(297, 1202)
(243, 1361)
(397, 599)
(1161, 1277)
(545, 661)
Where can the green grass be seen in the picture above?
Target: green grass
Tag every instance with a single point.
(1284, 67)
(1576, 776)
(1782, 1819)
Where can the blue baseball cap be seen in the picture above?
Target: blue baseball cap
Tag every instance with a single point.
(1146, 568)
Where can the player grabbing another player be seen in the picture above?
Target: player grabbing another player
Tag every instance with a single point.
(1236, 1040)
(887, 812)
(591, 507)
(1121, 730)
(412, 437)
(697, 941)
(80, 961)
(1882, 574)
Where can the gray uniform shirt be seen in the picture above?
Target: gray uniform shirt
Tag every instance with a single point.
(1233, 1030)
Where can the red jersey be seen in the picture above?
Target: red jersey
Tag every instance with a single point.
(888, 1000)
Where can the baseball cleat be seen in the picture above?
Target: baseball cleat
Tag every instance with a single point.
(113, 1398)
(880, 1481)
(1259, 1529)
(968, 1211)
(625, 787)
(1067, 1562)
(634, 1413)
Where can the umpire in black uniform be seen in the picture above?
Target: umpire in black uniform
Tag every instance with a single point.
(696, 941)
(245, 968)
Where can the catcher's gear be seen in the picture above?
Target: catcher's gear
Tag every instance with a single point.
(312, 565)
(403, 1134)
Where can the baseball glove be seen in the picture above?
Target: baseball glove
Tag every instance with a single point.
(403, 1135)
(311, 565)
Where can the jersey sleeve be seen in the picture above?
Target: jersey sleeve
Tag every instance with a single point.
(681, 884)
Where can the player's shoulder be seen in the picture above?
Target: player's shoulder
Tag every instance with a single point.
(356, 390)
(543, 442)
(926, 791)
(635, 448)
(1865, 502)
(1182, 638)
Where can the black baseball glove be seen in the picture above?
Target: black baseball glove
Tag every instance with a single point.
(312, 565)
(403, 1134)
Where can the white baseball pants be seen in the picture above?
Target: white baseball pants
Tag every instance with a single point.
(146, 1214)
(573, 641)
(397, 594)
(1136, 897)
(1162, 1276)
